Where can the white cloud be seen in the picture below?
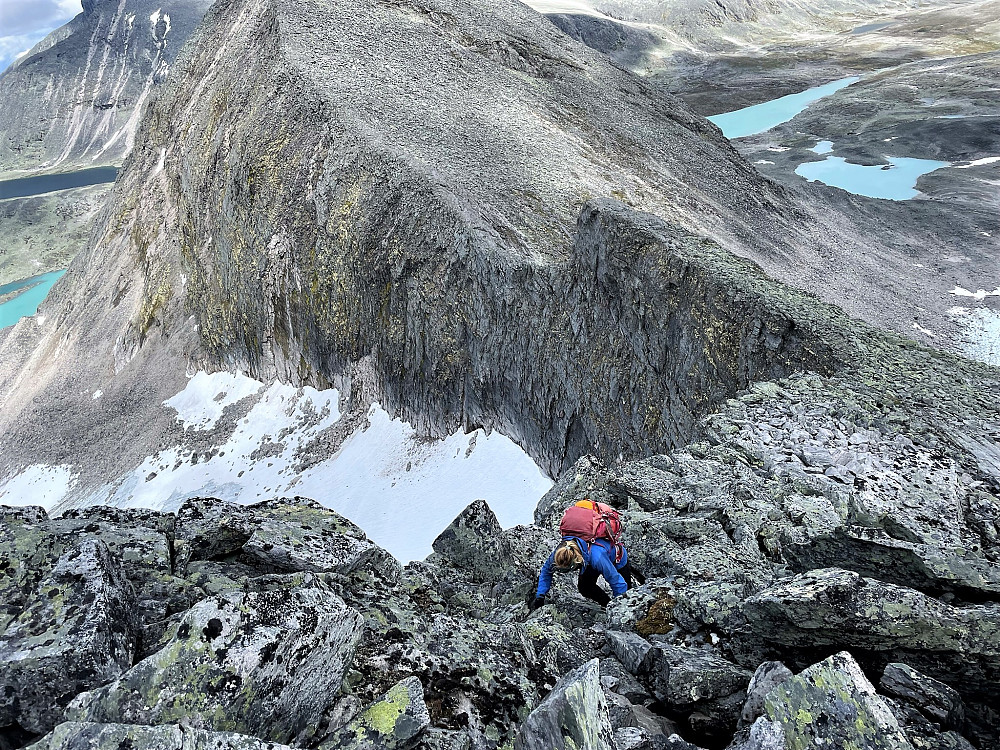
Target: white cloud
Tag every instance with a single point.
(24, 23)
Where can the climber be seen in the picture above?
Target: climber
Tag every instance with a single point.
(592, 559)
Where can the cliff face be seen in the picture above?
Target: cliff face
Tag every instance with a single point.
(387, 197)
(75, 100)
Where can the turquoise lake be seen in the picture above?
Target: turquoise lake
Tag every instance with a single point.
(762, 117)
(26, 303)
(896, 181)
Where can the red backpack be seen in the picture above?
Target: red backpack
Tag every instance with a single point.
(588, 520)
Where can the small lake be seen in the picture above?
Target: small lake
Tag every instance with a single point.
(25, 187)
(871, 27)
(762, 117)
(26, 303)
(895, 181)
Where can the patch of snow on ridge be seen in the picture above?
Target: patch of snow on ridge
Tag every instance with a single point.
(979, 295)
(571, 7)
(402, 489)
(201, 403)
(980, 162)
(40, 484)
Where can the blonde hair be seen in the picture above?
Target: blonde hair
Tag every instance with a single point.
(567, 555)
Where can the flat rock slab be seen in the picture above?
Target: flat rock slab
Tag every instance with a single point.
(298, 534)
(86, 736)
(294, 534)
(267, 663)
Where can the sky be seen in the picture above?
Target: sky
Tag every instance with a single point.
(24, 23)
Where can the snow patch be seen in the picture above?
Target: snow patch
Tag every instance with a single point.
(97, 394)
(401, 488)
(979, 295)
(923, 330)
(40, 484)
(980, 162)
(200, 405)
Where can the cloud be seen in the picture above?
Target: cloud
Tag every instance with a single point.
(30, 17)
(24, 23)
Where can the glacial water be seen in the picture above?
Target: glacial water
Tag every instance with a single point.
(766, 115)
(896, 181)
(26, 303)
(25, 187)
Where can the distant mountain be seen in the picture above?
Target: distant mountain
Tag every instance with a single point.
(76, 98)
(451, 209)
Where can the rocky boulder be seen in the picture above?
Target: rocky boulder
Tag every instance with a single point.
(86, 736)
(829, 704)
(698, 684)
(393, 722)
(937, 701)
(282, 535)
(267, 663)
(832, 607)
(72, 628)
(573, 716)
(476, 543)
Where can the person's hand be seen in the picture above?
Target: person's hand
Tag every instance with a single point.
(538, 601)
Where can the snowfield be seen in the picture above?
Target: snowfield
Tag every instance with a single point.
(245, 442)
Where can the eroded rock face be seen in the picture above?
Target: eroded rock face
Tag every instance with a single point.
(75, 99)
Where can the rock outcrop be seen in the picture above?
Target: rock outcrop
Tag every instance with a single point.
(440, 656)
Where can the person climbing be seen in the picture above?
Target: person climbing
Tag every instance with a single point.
(591, 544)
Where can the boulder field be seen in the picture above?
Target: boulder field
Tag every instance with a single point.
(812, 582)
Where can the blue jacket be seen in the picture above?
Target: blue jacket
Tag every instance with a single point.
(600, 556)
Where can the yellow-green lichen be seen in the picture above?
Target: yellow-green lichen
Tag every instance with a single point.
(383, 716)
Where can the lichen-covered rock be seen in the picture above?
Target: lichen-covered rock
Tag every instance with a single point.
(164, 523)
(634, 652)
(768, 675)
(934, 699)
(208, 528)
(30, 514)
(874, 553)
(833, 704)
(294, 534)
(394, 722)
(832, 607)
(88, 736)
(299, 534)
(75, 628)
(475, 542)
(267, 663)
(574, 716)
